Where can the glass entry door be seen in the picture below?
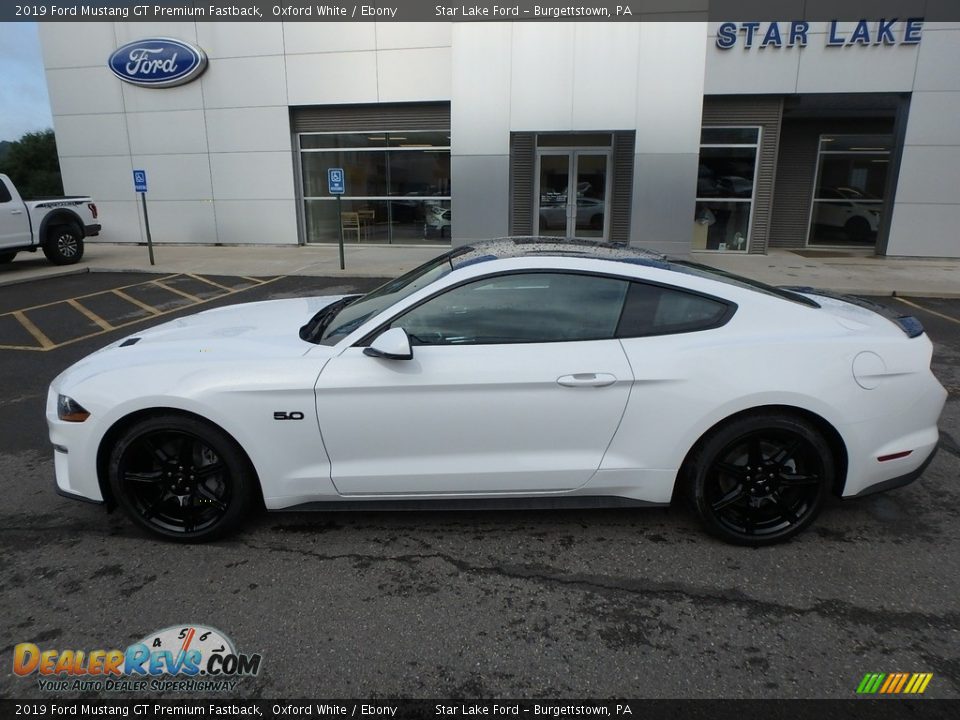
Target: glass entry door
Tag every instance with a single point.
(572, 193)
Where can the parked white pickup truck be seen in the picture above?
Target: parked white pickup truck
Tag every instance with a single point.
(56, 225)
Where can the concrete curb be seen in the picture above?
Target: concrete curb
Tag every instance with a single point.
(20, 279)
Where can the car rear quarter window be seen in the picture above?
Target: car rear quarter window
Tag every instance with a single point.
(519, 308)
(658, 310)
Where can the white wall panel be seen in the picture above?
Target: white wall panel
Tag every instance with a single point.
(919, 229)
(248, 129)
(480, 103)
(928, 174)
(120, 222)
(664, 187)
(393, 35)
(875, 68)
(480, 202)
(332, 78)
(541, 91)
(606, 67)
(240, 39)
(319, 37)
(91, 135)
(81, 91)
(736, 70)
(413, 75)
(257, 221)
(61, 49)
(161, 133)
(252, 176)
(245, 82)
(139, 99)
(934, 119)
(182, 222)
(938, 67)
(174, 177)
(104, 178)
(670, 98)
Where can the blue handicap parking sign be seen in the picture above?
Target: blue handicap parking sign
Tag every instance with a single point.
(335, 181)
(140, 180)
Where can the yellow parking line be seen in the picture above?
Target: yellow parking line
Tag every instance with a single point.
(256, 280)
(89, 295)
(45, 342)
(188, 296)
(154, 314)
(928, 310)
(210, 282)
(149, 308)
(91, 315)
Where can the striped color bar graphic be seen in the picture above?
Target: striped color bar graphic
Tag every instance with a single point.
(894, 683)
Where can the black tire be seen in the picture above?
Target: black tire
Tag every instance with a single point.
(596, 222)
(181, 478)
(6, 257)
(857, 230)
(64, 244)
(740, 505)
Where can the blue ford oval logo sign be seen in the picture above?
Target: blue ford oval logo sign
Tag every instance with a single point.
(158, 62)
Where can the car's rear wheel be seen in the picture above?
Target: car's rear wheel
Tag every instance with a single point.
(760, 479)
(64, 245)
(6, 257)
(181, 478)
(857, 230)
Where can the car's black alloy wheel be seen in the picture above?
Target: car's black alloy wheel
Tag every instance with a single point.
(64, 245)
(181, 478)
(761, 479)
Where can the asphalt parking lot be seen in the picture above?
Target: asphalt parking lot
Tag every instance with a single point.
(606, 603)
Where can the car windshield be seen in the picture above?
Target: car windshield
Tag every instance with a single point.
(353, 314)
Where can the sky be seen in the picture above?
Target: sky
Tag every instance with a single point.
(24, 103)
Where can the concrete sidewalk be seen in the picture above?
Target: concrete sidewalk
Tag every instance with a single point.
(857, 274)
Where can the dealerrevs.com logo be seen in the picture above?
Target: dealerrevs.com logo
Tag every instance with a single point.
(178, 658)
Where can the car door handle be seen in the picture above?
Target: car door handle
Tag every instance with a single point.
(586, 380)
(16, 212)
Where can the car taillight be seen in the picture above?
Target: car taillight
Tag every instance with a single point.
(93, 210)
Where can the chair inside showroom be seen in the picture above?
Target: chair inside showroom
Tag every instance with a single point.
(350, 222)
(366, 221)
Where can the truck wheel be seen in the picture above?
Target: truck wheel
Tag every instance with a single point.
(6, 257)
(64, 245)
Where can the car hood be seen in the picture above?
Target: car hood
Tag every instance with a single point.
(235, 333)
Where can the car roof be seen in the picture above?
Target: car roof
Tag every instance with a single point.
(533, 246)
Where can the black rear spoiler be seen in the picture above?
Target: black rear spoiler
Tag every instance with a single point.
(910, 325)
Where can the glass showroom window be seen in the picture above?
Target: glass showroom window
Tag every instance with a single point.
(849, 194)
(397, 186)
(725, 182)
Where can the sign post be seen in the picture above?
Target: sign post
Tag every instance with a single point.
(337, 186)
(140, 185)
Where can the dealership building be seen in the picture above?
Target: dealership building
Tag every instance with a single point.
(731, 137)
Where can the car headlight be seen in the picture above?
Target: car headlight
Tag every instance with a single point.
(69, 410)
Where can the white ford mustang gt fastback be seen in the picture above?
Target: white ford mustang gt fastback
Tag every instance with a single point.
(520, 372)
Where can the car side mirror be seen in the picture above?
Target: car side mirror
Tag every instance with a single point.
(390, 345)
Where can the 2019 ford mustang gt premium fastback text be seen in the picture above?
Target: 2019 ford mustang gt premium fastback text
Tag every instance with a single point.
(521, 372)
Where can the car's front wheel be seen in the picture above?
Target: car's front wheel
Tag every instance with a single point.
(181, 478)
(760, 479)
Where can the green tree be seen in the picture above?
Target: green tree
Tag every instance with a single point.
(32, 164)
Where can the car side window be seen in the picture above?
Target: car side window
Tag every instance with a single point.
(658, 310)
(519, 308)
(5, 195)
